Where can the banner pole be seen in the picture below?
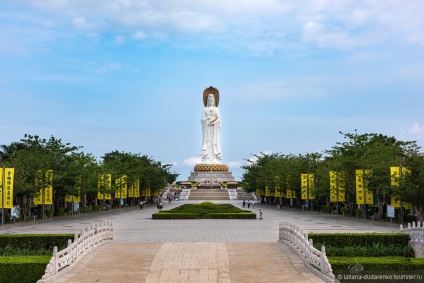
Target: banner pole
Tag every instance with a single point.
(2, 194)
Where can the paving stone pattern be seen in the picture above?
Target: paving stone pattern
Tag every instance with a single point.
(146, 250)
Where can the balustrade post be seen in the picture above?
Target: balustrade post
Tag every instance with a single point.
(55, 269)
(323, 256)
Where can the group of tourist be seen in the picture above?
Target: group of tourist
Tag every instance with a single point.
(248, 204)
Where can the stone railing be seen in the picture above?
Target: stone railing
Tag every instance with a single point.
(62, 261)
(416, 236)
(185, 193)
(232, 193)
(314, 259)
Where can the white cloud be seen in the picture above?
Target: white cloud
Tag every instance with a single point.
(139, 35)
(235, 164)
(413, 129)
(191, 161)
(413, 132)
(259, 26)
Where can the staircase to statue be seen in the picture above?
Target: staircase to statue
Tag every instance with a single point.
(242, 195)
(209, 194)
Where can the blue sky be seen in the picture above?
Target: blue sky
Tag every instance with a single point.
(128, 75)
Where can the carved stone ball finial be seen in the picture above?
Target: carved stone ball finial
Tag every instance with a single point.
(210, 90)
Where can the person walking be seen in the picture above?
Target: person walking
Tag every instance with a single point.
(260, 213)
(248, 203)
(244, 203)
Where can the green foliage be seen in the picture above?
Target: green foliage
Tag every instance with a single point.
(341, 240)
(18, 269)
(345, 210)
(35, 241)
(205, 210)
(324, 208)
(374, 250)
(96, 208)
(358, 212)
(377, 263)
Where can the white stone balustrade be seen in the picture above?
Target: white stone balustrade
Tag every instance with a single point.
(185, 193)
(95, 236)
(314, 259)
(232, 193)
(416, 236)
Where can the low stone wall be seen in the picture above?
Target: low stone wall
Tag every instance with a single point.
(315, 260)
(64, 260)
(416, 235)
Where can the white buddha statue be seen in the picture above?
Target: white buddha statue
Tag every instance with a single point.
(211, 126)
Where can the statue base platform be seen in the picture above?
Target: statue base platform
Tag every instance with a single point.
(211, 172)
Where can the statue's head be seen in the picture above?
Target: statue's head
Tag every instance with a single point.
(211, 100)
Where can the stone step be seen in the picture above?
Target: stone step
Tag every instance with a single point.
(207, 198)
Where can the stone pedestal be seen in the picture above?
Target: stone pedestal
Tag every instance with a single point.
(210, 172)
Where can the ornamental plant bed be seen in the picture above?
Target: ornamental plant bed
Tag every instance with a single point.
(205, 210)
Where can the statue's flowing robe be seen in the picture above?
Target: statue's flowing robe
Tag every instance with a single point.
(211, 142)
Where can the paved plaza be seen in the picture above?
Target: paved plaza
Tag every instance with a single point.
(146, 250)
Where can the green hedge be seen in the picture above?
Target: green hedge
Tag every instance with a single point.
(341, 240)
(377, 263)
(35, 241)
(164, 215)
(373, 251)
(19, 269)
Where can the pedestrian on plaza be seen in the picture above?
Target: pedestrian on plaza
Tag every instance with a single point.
(248, 203)
(253, 204)
(260, 213)
(244, 203)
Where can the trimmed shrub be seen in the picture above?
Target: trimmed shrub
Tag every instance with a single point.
(342, 240)
(376, 250)
(35, 241)
(377, 263)
(205, 210)
(18, 269)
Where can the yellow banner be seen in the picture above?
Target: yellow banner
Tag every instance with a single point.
(267, 192)
(362, 192)
(307, 186)
(124, 186)
(277, 194)
(394, 180)
(131, 190)
(105, 182)
(8, 187)
(289, 193)
(155, 193)
(148, 192)
(337, 187)
(70, 198)
(137, 189)
(48, 190)
(258, 192)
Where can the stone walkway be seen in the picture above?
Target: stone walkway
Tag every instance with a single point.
(190, 262)
(209, 250)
